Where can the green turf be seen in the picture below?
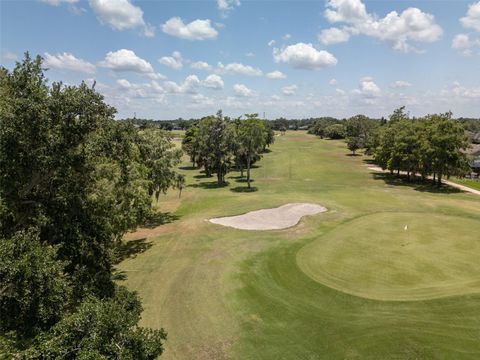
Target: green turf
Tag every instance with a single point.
(473, 183)
(397, 256)
(223, 293)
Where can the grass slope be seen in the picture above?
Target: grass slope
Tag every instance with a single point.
(223, 293)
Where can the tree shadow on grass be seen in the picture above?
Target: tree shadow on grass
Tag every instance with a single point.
(353, 155)
(369, 162)
(240, 179)
(244, 189)
(201, 176)
(418, 184)
(209, 185)
(130, 249)
(187, 168)
(160, 218)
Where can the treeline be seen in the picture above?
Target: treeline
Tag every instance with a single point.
(280, 124)
(356, 130)
(315, 126)
(428, 146)
(73, 181)
(218, 144)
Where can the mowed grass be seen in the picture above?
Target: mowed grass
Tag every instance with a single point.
(223, 293)
(401, 256)
(474, 184)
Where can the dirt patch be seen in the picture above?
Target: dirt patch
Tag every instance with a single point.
(271, 219)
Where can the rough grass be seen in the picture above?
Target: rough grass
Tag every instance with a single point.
(223, 293)
(474, 184)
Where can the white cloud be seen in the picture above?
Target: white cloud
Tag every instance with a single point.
(226, 5)
(340, 92)
(346, 11)
(213, 81)
(472, 20)
(201, 65)
(199, 101)
(77, 10)
(189, 86)
(230, 69)
(239, 69)
(461, 41)
(276, 75)
(333, 82)
(367, 90)
(289, 90)
(465, 43)
(59, 2)
(175, 61)
(459, 91)
(148, 90)
(333, 36)
(155, 76)
(400, 84)
(242, 90)
(271, 43)
(396, 29)
(121, 15)
(250, 54)
(67, 61)
(286, 36)
(8, 55)
(196, 30)
(126, 60)
(304, 56)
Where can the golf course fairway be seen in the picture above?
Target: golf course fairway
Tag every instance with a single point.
(390, 271)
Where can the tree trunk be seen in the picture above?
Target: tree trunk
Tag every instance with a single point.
(241, 170)
(248, 171)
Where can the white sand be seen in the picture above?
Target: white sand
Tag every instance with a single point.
(270, 219)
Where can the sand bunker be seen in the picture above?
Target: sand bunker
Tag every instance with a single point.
(270, 219)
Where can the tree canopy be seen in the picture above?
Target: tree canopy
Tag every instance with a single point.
(430, 146)
(218, 144)
(73, 181)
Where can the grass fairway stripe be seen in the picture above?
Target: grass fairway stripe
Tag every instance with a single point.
(223, 293)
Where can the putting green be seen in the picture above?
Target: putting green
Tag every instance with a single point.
(398, 256)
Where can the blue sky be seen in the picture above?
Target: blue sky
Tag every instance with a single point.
(170, 59)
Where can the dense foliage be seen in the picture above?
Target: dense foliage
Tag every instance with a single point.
(218, 143)
(431, 146)
(73, 182)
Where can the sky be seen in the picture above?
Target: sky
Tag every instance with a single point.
(294, 59)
